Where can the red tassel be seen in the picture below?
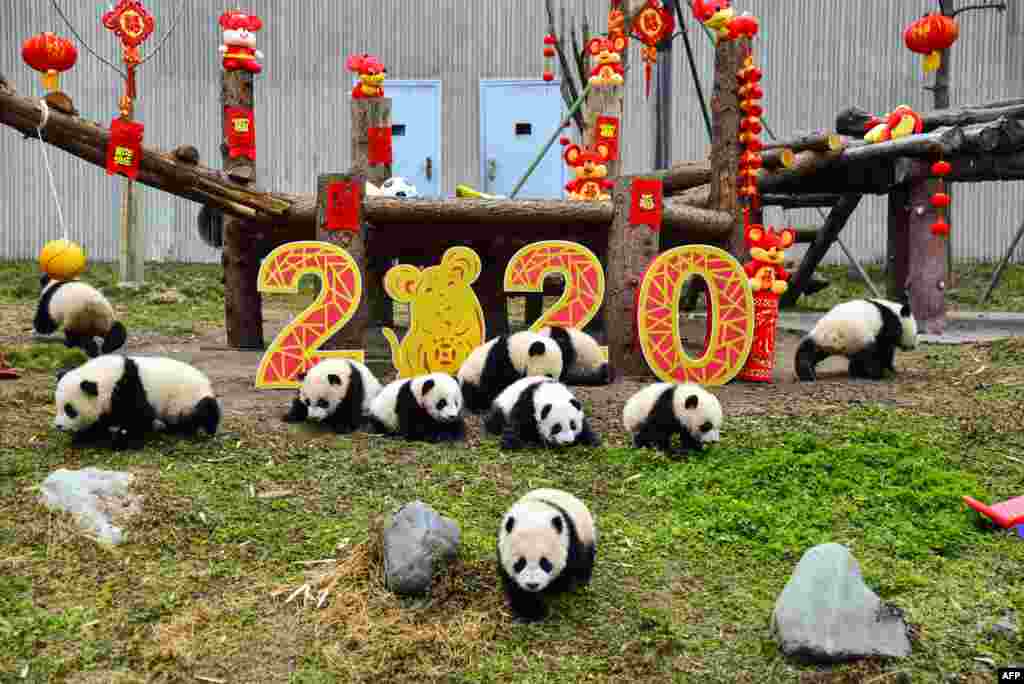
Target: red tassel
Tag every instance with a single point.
(647, 79)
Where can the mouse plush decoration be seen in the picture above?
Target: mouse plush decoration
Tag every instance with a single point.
(371, 74)
(239, 48)
(768, 250)
(591, 168)
(607, 52)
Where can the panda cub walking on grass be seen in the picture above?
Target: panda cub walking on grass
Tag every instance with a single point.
(539, 411)
(337, 393)
(84, 313)
(547, 544)
(659, 411)
(866, 331)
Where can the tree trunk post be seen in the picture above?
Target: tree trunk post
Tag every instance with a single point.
(725, 144)
(896, 244)
(353, 335)
(631, 248)
(374, 112)
(940, 93)
(605, 102)
(926, 263)
(243, 305)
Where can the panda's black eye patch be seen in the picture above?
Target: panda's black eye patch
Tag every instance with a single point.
(556, 522)
(520, 564)
(706, 427)
(509, 524)
(441, 404)
(575, 404)
(545, 565)
(545, 411)
(70, 411)
(572, 426)
(556, 428)
(322, 403)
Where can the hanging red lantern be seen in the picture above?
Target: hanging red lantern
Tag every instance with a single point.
(929, 35)
(50, 55)
(941, 168)
(653, 24)
(549, 54)
(940, 199)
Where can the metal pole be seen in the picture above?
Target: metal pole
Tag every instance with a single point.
(1002, 264)
(663, 102)
(693, 69)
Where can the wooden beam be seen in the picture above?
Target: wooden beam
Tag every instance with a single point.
(835, 223)
(818, 141)
(853, 121)
(799, 201)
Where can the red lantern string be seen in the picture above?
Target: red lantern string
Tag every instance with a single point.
(939, 199)
(549, 54)
(750, 93)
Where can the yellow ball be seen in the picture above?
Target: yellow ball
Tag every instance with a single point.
(62, 259)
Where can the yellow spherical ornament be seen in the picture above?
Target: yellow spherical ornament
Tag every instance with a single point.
(62, 259)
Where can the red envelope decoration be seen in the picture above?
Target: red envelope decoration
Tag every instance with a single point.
(645, 207)
(343, 200)
(380, 145)
(240, 132)
(608, 133)
(125, 148)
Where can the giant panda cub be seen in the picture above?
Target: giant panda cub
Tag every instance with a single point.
(538, 410)
(120, 397)
(496, 364)
(337, 393)
(427, 408)
(582, 360)
(547, 543)
(663, 409)
(84, 313)
(866, 331)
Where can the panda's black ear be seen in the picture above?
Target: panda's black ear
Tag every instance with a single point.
(333, 379)
(545, 411)
(538, 348)
(576, 404)
(691, 401)
(556, 522)
(905, 311)
(509, 524)
(427, 386)
(301, 377)
(90, 388)
(43, 279)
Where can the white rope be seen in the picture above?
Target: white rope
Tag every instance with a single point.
(46, 162)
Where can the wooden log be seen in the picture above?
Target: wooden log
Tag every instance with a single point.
(694, 197)
(853, 121)
(926, 256)
(684, 176)
(835, 222)
(799, 201)
(381, 211)
(818, 141)
(996, 167)
(725, 146)
(243, 304)
(781, 158)
(630, 249)
(353, 335)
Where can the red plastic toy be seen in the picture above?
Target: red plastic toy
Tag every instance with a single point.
(1006, 514)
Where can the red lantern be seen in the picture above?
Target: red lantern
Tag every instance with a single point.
(941, 168)
(549, 54)
(930, 34)
(940, 200)
(751, 123)
(50, 55)
(751, 108)
(940, 228)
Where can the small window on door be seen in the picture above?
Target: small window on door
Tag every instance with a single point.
(524, 129)
(397, 129)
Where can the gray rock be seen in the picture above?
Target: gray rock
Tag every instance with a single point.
(94, 498)
(1006, 626)
(827, 614)
(418, 542)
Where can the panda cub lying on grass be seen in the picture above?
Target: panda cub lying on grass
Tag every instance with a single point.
(337, 393)
(427, 408)
(539, 411)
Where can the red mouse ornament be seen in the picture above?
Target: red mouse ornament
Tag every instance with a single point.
(607, 52)
(591, 169)
(371, 74)
(768, 250)
(239, 48)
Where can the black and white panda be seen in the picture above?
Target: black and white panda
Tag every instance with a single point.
(541, 411)
(866, 331)
(497, 363)
(427, 408)
(82, 311)
(547, 544)
(582, 360)
(120, 397)
(663, 409)
(337, 393)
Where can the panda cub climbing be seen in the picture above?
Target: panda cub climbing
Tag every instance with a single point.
(337, 393)
(657, 412)
(866, 331)
(582, 360)
(538, 410)
(84, 313)
(120, 397)
(547, 544)
(427, 408)
(496, 364)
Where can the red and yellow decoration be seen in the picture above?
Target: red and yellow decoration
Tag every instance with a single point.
(591, 170)
(721, 19)
(940, 199)
(371, 73)
(239, 41)
(929, 35)
(446, 321)
(549, 57)
(240, 132)
(730, 315)
(62, 259)
(750, 93)
(607, 53)
(380, 149)
(617, 22)
(50, 55)
(901, 122)
(294, 350)
(607, 133)
(646, 203)
(132, 24)
(580, 269)
(652, 24)
(125, 149)
(344, 199)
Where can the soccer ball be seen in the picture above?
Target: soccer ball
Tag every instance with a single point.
(396, 186)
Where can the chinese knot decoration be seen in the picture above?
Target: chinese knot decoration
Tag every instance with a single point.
(929, 35)
(549, 54)
(721, 19)
(591, 170)
(50, 55)
(239, 41)
(940, 199)
(652, 24)
(132, 24)
(371, 75)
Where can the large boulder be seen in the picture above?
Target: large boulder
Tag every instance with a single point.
(827, 614)
(418, 543)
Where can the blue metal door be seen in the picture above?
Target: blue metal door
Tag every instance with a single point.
(517, 117)
(416, 133)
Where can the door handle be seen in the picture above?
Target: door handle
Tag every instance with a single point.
(430, 168)
(492, 169)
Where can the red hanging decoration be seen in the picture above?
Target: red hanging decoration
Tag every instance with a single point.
(749, 77)
(132, 24)
(549, 54)
(607, 129)
(653, 24)
(238, 47)
(929, 35)
(646, 203)
(125, 148)
(939, 199)
(343, 201)
(240, 132)
(380, 145)
(49, 55)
